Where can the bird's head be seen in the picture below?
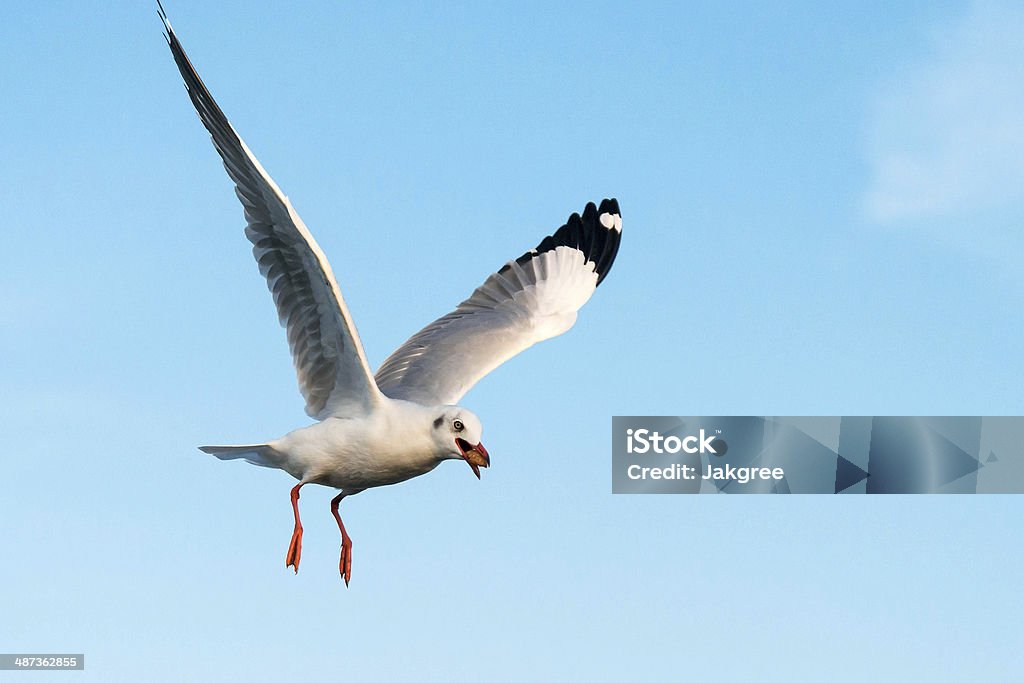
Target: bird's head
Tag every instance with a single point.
(456, 433)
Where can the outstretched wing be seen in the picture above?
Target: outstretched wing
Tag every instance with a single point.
(530, 299)
(333, 374)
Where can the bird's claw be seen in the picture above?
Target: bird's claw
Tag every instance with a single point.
(345, 563)
(294, 550)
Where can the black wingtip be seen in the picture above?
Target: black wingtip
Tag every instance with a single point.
(598, 239)
(605, 249)
(163, 16)
(610, 206)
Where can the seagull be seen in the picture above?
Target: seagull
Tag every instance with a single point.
(381, 429)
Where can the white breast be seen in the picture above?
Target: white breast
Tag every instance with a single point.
(389, 446)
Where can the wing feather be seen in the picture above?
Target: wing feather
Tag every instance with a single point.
(331, 366)
(532, 298)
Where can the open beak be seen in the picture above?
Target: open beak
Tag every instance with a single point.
(477, 456)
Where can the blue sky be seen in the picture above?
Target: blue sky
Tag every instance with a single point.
(822, 215)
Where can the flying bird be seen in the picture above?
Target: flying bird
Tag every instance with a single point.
(384, 428)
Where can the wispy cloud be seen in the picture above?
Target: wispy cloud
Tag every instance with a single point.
(946, 135)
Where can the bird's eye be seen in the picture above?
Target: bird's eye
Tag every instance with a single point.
(458, 425)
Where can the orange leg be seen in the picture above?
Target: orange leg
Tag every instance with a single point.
(345, 564)
(295, 547)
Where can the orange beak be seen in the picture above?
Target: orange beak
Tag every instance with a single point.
(477, 456)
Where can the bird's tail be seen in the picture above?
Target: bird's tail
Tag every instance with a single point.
(258, 454)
